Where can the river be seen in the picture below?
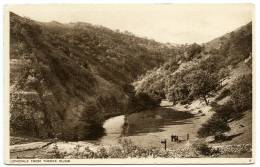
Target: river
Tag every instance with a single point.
(145, 128)
(144, 125)
(113, 130)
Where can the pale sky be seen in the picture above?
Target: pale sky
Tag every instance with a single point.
(164, 23)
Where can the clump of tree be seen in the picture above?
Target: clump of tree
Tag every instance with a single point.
(215, 61)
(192, 50)
(202, 83)
(180, 92)
(241, 93)
(144, 102)
(139, 101)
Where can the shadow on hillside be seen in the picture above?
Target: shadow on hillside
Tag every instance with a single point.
(227, 138)
(237, 117)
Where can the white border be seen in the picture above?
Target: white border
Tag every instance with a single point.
(137, 161)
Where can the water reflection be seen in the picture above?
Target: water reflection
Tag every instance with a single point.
(113, 130)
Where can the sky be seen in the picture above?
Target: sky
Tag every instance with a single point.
(173, 23)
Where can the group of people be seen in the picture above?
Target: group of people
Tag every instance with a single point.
(175, 138)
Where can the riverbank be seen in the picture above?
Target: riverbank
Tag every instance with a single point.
(143, 135)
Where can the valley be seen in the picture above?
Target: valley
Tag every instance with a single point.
(84, 91)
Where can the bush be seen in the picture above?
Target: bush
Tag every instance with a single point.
(55, 153)
(227, 111)
(213, 126)
(202, 148)
(241, 93)
(220, 137)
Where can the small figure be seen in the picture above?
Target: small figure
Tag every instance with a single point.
(172, 137)
(177, 138)
(188, 136)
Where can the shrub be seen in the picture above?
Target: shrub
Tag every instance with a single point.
(220, 137)
(241, 93)
(202, 148)
(102, 153)
(213, 126)
(55, 153)
(227, 111)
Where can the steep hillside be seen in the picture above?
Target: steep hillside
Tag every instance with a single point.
(218, 59)
(215, 80)
(65, 78)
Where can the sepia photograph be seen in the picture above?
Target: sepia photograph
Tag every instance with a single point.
(129, 83)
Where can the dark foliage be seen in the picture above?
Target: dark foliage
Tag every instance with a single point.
(241, 93)
(203, 148)
(143, 101)
(213, 126)
(219, 137)
(202, 82)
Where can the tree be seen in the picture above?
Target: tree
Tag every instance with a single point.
(192, 50)
(143, 101)
(202, 83)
